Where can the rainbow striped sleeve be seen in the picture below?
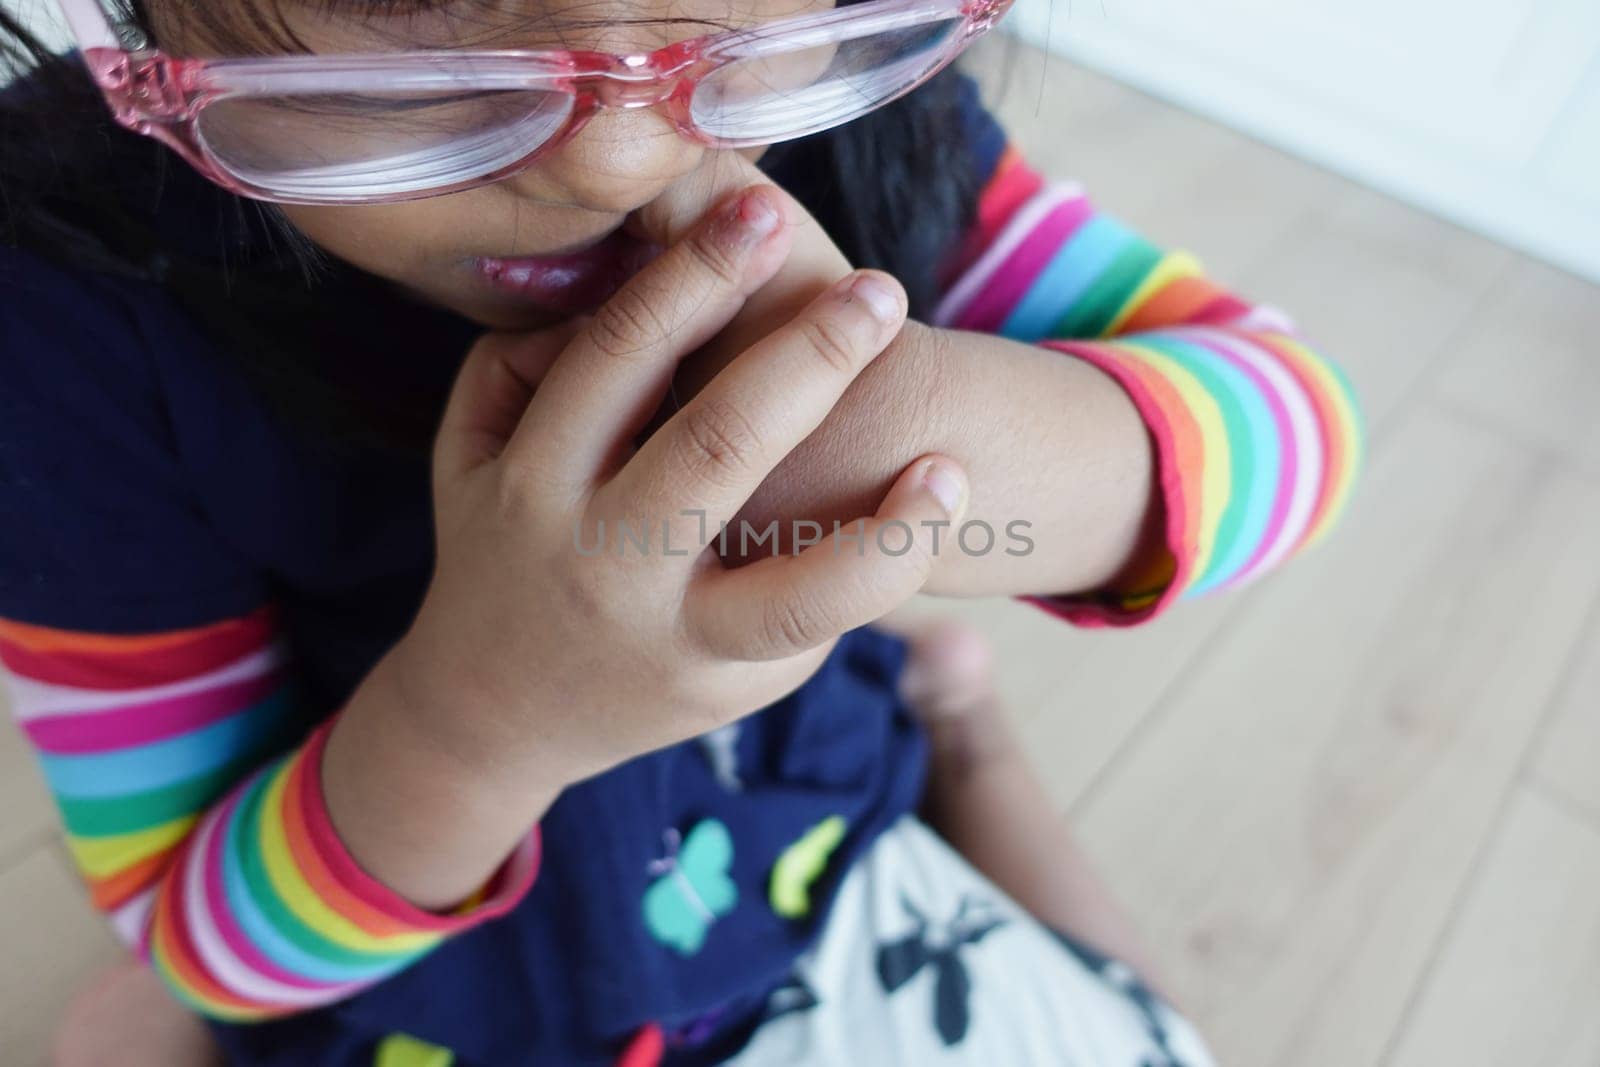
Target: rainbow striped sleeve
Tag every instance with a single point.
(198, 821)
(1258, 438)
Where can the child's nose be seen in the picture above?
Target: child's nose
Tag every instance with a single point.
(620, 161)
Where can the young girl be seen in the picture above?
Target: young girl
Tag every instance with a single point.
(373, 768)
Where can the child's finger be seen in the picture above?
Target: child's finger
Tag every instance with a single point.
(669, 216)
(711, 456)
(813, 261)
(672, 214)
(491, 391)
(612, 377)
(785, 605)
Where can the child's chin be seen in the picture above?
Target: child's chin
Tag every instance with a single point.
(516, 319)
(499, 314)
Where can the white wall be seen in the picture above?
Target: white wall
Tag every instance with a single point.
(1484, 111)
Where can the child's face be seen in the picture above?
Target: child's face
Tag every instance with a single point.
(526, 251)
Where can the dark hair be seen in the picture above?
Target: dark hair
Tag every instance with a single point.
(79, 189)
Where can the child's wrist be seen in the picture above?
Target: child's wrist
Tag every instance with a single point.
(450, 726)
(889, 417)
(412, 806)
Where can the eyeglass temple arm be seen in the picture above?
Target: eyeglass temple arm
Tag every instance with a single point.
(90, 27)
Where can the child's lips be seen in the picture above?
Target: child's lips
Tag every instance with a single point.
(570, 282)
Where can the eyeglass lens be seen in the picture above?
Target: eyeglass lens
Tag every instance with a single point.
(376, 143)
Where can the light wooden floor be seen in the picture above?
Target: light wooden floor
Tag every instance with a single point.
(1357, 807)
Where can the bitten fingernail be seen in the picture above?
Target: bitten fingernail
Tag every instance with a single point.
(756, 213)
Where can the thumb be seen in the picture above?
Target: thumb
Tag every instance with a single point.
(784, 605)
(491, 392)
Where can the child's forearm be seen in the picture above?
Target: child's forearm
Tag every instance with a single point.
(1061, 465)
(424, 816)
(200, 819)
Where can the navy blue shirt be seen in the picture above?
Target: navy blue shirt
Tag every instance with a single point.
(146, 483)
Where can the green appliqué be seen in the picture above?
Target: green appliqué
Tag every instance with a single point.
(801, 864)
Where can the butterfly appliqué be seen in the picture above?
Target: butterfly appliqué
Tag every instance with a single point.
(692, 887)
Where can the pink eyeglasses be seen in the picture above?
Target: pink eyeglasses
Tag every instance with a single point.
(324, 129)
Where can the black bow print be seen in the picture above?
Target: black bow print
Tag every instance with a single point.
(1120, 978)
(899, 961)
(794, 995)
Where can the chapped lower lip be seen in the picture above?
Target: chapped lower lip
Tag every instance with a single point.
(572, 282)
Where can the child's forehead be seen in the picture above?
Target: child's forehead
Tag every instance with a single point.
(222, 27)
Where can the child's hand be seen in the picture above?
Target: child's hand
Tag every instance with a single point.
(814, 261)
(867, 440)
(534, 655)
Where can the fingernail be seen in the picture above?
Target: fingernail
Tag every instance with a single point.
(947, 487)
(756, 213)
(879, 296)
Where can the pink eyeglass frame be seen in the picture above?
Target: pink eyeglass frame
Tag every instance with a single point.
(161, 96)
